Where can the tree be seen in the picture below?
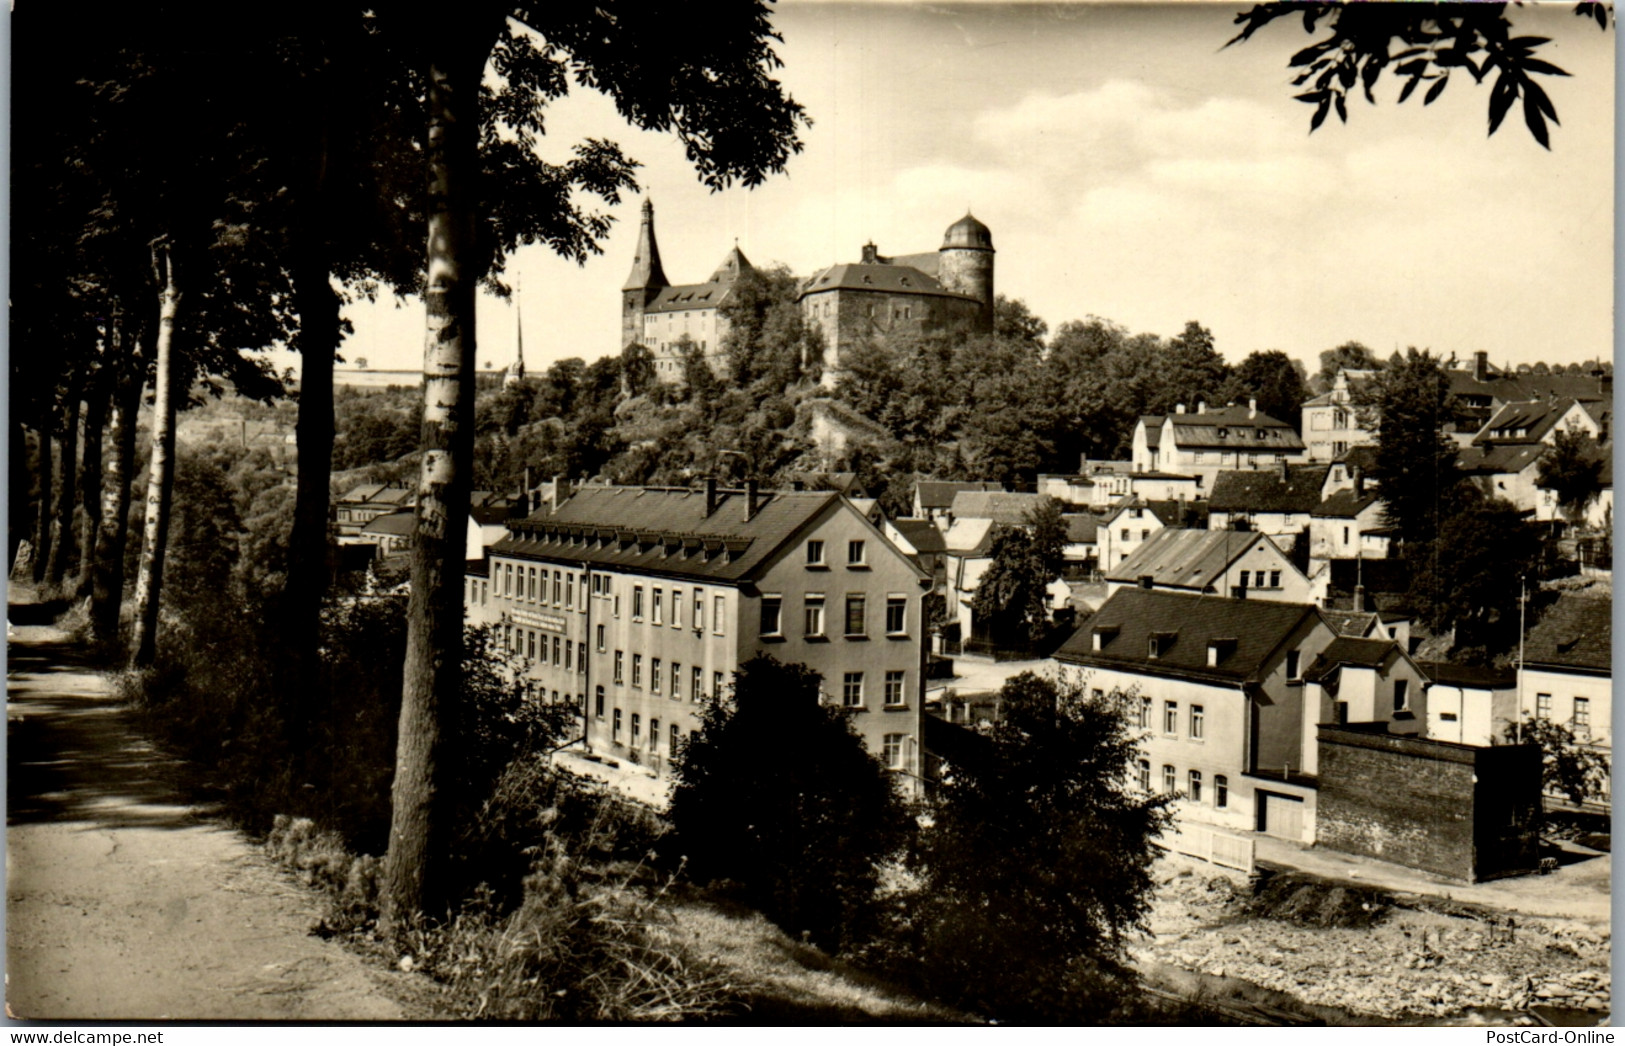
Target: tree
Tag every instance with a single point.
(1350, 355)
(801, 827)
(1433, 40)
(1012, 319)
(1470, 577)
(1568, 767)
(1037, 863)
(1275, 380)
(160, 461)
(735, 123)
(1012, 597)
(1572, 469)
(1415, 462)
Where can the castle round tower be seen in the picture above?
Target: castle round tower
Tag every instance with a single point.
(966, 263)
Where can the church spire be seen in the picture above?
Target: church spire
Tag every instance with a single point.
(516, 371)
(646, 271)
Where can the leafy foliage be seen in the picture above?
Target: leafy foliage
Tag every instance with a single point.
(1568, 767)
(1572, 469)
(776, 792)
(1434, 42)
(1012, 594)
(1037, 864)
(1275, 380)
(1469, 577)
(1415, 462)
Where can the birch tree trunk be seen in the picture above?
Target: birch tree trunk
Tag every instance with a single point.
(42, 499)
(413, 883)
(56, 567)
(90, 478)
(107, 584)
(161, 468)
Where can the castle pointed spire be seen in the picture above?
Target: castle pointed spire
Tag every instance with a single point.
(646, 271)
(516, 370)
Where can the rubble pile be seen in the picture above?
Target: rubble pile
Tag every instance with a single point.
(1398, 962)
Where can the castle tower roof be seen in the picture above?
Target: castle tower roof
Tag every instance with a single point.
(733, 266)
(646, 271)
(967, 233)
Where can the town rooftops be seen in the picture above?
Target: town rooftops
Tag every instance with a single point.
(921, 533)
(1349, 650)
(885, 279)
(1244, 633)
(1576, 632)
(998, 505)
(939, 493)
(1193, 559)
(1082, 528)
(395, 524)
(1499, 458)
(1170, 513)
(1524, 422)
(969, 537)
(665, 530)
(1345, 504)
(377, 494)
(1265, 490)
(1232, 428)
(1357, 623)
(689, 296)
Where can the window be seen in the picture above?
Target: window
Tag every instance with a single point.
(852, 690)
(1194, 785)
(617, 730)
(891, 751)
(716, 684)
(1292, 664)
(557, 580)
(854, 554)
(569, 654)
(716, 615)
(771, 607)
(557, 659)
(699, 610)
(1145, 714)
(615, 606)
(896, 615)
(1125, 533)
(569, 591)
(1198, 722)
(654, 675)
(814, 615)
(855, 604)
(1221, 791)
(1582, 718)
(676, 680)
(1345, 535)
(637, 727)
(1170, 780)
(1275, 579)
(657, 602)
(654, 735)
(1170, 717)
(676, 738)
(1258, 579)
(531, 637)
(600, 635)
(620, 667)
(695, 678)
(1097, 694)
(598, 702)
(894, 687)
(1543, 706)
(676, 608)
(1400, 686)
(532, 583)
(637, 669)
(1145, 775)
(815, 554)
(637, 602)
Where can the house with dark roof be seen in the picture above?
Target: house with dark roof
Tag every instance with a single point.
(1345, 525)
(1279, 501)
(392, 533)
(1331, 423)
(1011, 508)
(879, 295)
(933, 498)
(1504, 457)
(1222, 705)
(1366, 680)
(365, 502)
(1212, 562)
(921, 540)
(634, 604)
(1567, 674)
(1351, 468)
(1479, 389)
(1470, 705)
(1599, 513)
(1207, 442)
(1082, 550)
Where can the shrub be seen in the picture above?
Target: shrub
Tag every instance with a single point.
(777, 793)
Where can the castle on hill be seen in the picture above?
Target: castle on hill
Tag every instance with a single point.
(848, 302)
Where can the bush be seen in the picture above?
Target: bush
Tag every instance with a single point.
(777, 793)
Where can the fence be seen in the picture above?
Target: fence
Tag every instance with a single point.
(1213, 846)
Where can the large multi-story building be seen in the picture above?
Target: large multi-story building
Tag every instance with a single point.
(637, 604)
(1206, 442)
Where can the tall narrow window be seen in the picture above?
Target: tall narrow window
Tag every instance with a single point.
(676, 739)
(1221, 791)
(569, 591)
(620, 667)
(772, 608)
(1170, 718)
(1144, 767)
(1170, 780)
(598, 702)
(654, 675)
(1543, 706)
(815, 554)
(699, 610)
(717, 606)
(695, 681)
(637, 602)
(600, 636)
(1400, 688)
(891, 751)
(1292, 664)
(852, 690)
(716, 684)
(676, 608)
(814, 614)
(676, 680)
(894, 687)
(896, 615)
(617, 734)
(1194, 785)
(855, 606)
(637, 727)
(855, 553)
(1582, 718)
(655, 606)
(637, 669)
(1198, 722)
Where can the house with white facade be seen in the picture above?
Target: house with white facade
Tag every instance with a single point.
(1212, 562)
(1204, 443)
(1567, 672)
(1348, 524)
(1470, 705)
(1331, 422)
(1279, 501)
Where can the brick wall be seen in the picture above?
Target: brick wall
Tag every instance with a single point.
(1460, 811)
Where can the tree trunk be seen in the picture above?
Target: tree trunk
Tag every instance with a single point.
(90, 479)
(62, 543)
(149, 579)
(318, 308)
(18, 522)
(413, 884)
(107, 585)
(42, 498)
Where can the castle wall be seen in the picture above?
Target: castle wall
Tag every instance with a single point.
(846, 317)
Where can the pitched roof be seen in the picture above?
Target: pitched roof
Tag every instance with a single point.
(1350, 622)
(939, 493)
(1349, 650)
(1361, 456)
(886, 279)
(1225, 427)
(1524, 422)
(998, 505)
(969, 537)
(1263, 490)
(706, 295)
(399, 524)
(1082, 528)
(1178, 558)
(1345, 504)
(361, 492)
(666, 530)
(1575, 632)
(1128, 619)
(1499, 458)
(921, 533)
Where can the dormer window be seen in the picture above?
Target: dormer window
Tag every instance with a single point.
(1224, 433)
(1159, 643)
(1218, 650)
(1104, 634)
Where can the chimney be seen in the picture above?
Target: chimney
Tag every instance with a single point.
(1359, 597)
(1286, 472)
(1481, 366)
(870, 253)
(1252, 408)
(1179, 408)
(1201, 407)
(710, 495)
(750, 500)
(1359, 482)
(561, 491)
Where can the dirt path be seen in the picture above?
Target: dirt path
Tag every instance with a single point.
(123, 900)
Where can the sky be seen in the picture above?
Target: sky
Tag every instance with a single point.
(1129, 167)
